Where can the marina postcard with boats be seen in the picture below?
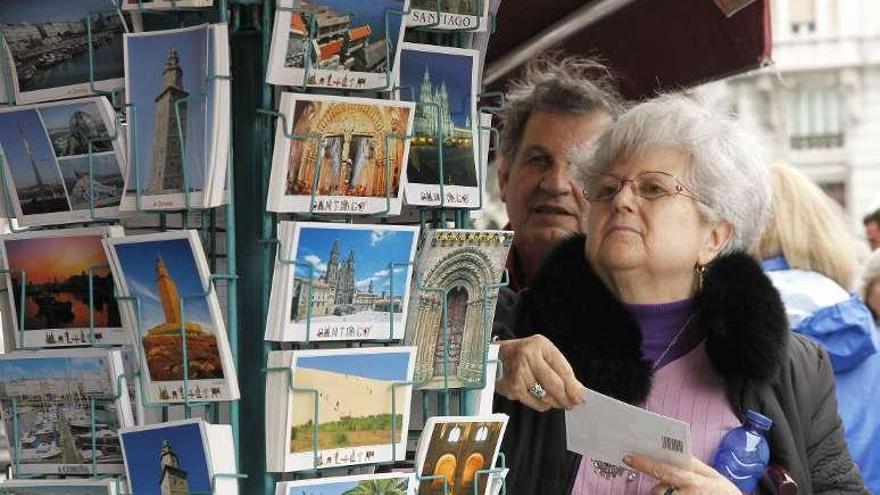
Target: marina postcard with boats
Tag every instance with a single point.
(345, 44)
(59, 487)
(46, 47)
(46, 399)
(172, 302)
(68, 288)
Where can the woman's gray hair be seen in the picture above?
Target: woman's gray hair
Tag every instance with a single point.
(567, 85)
(727, 169)
(870, 274)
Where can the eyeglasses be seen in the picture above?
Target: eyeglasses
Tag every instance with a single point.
(648, 185)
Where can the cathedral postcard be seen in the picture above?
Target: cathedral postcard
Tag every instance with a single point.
(340, 155)
(170, 307)
(166, 86)
(442, 168)
(452, 15)
(342, 44)
(67, 288)
(63, 161)
(57, 49)
(60, 487)
(347, 281)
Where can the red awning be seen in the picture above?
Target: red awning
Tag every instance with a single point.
(652, 44)
(330, 49)
(359, 32)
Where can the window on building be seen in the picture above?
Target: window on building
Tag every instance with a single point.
(836, 190)
(802, 16)
(815, 118)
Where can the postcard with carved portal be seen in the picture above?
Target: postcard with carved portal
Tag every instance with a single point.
(461, 270)
(68, 290)
(347, 44)
(442, 167)
(168, 295)
(343, 156)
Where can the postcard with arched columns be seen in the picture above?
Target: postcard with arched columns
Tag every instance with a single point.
(455, 288)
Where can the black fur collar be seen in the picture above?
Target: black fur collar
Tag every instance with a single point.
(739, 310)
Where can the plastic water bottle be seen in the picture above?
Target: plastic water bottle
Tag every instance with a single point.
(744, 452)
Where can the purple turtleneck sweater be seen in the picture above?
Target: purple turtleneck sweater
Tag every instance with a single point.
(659, 324)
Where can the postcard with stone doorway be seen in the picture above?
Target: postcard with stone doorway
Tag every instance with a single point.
(51, 393)
(63, 161)
(168, 298)
(456, 449)
(443, 83)
(45, 47)
(343, 44)
(362, 400)
(68, 289)
(166, 82)
(385, 483)
(358, 286)
(339, 155)
(451, 15)
(59, 487)
(461, 270)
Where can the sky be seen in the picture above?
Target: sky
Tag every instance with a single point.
(374, 250)
(329, 488)
(57, 367)
(454, 69)
(142, 450)
(46, 258)
(51, 10)
(59, 115)
(146, 62)
(11, 126)
(376, 366)
(138, 263)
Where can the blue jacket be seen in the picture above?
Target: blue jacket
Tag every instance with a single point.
(821, 310)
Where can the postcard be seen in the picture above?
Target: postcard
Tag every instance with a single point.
(63, 161)
(354, 44)
(387, 483)
(165, 4)
(359, 285)
(51, 393)
(179, 457)
(362, 402)
(460, 270)
(68, 289)
(457, 15)
(59, 487)
(347, 155)
(169, 299)
(460, 450)
(46, 47)
(443, 83)
(165, 86)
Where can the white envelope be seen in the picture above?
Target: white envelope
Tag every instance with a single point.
(606, 429)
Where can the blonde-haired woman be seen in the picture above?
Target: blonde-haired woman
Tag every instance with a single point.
(810, 257)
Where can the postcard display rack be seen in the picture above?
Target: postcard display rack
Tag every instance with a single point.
(240, 239)
(214, 228)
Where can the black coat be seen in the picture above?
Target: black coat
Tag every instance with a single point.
(765, 367)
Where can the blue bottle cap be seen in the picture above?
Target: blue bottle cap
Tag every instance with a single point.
(759, 420)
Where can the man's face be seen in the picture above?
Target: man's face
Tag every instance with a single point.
(872, 232)
(544, 201)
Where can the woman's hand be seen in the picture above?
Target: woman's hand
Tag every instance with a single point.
(536, 360)
(703, 480)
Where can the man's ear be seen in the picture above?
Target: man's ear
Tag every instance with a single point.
(503, 177)
(715, 242)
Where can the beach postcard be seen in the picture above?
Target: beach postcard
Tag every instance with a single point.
(365, 484)
(443, 159)
(361, 413)
(358, 284)
(68, 288)
(168, 298)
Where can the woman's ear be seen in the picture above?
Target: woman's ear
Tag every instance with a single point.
(715, 241)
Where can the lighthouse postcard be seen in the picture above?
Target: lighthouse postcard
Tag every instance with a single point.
(170, 306)
(61, 291)
(166, 86)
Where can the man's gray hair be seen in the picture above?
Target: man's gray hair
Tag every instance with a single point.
(567, 85)
(726, 168)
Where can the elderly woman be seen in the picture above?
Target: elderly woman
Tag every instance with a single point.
(809, 254)
(660, 308)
